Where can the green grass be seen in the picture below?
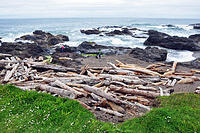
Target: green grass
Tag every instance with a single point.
(35, 112)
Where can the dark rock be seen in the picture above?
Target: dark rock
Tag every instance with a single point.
(149, 54)
(63, 37)
(21, 49)
(113, 33)
(172, 42)
(39, 32)
(90, 45)
(170, 26)
(41, 37)
(54, 40)
(125, 31)
(195, 26)
(90, 32)
(28, 37)
(67, 49)
(195, 37)
(93, 48)
(192, 64)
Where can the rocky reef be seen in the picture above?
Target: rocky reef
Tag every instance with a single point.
(172, 42)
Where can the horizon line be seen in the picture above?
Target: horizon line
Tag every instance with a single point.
(98, 18)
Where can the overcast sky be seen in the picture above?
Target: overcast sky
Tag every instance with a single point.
(99, 8)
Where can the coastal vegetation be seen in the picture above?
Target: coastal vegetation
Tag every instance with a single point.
(29, 111)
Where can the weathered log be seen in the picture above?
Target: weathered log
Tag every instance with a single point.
(141, 100)
(141, 87)
(84, 105)
(173, 69)
(61, 74)
(118, 83)
(99, 84)
(133, 91)
(5, 55)
(155, 65)
(61, 92)
(90, 74)
(186, 81)
(125, 79)
(195, 71)
(54, 67)
(83, 70)
(109, 111)
(140, 69)
(161, 91)
(184, 74)
(96, 91)
(121, 72)
(10, 73)
(95, 97)
(64, 86)
(116, 107)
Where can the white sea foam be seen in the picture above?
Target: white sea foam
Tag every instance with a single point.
(11, 36)
(69, 43)
(180, 56)
(185, 27)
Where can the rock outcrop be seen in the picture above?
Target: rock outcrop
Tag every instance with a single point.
(41, 37)
(23, 50)
(172, 42)
(149, 54)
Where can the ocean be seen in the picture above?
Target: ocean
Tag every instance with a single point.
(14, 28)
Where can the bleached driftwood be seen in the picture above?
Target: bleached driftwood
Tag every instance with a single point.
(10, 73)
(134, 91)
(109, 111)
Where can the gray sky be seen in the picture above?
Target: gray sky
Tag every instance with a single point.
(99, 8)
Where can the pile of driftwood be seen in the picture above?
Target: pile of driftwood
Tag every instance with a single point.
(111, 89)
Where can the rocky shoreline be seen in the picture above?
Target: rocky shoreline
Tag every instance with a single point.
(42, 43)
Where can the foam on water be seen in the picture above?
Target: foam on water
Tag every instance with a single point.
(12, 36)
(180, 56)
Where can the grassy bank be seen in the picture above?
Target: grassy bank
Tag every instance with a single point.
(32, 112)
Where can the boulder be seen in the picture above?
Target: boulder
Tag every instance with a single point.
(149, 54)
(172, 42)
(21, 49)
(90, 32)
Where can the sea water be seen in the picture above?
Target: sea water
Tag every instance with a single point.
(14, 28)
